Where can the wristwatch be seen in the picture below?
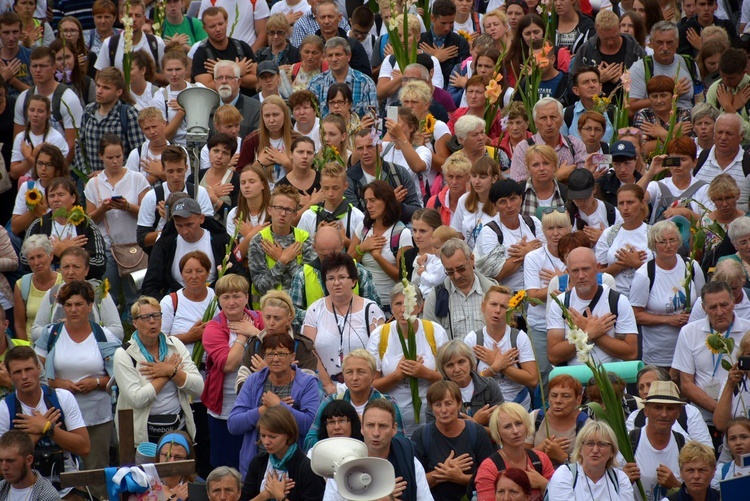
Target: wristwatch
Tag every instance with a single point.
(50, 432)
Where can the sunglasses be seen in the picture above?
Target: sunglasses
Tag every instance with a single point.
(550, 210)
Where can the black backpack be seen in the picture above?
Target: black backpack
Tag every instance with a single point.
(153, 45)
(640, 420)
(575, 215)
(56, 100)
(704, 156)
(210, 54)
(496, 228)
(159, 192)
(635, 437)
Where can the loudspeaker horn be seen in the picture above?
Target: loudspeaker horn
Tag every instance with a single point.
(198, 103)
(136, 279)
(358, 477)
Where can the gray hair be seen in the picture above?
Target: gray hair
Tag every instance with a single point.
(702, 110)
(398, 290)
(338, 43)
(423, 72)
(223, 472)
(590, 430)
(35, 242)
(362, 354)
(658, 231)
(739, 228)
(664, 26)
(452, 245)
(661, 373)
(714, 288)
(226, 63)
(547, 101)
(467, 124)
(729, 271)
(730, 116)
(454, 348)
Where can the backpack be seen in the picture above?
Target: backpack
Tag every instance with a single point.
(398, 228)
(153, 45)
(580, 420)
(210, 54)
(56, 100)
(513, 337)
(159, 193)
(429, 333)
(667, 199)
(704, 156)
(55, 329)
(562, 281)
(575, 215)
(613, 299)
(568, 113)
(496, 228)
(651, 272)
(615, 230)
(648, 69)
(499, 462)
(610, 474)
(640, 420)
(635, 437)
(344, 210)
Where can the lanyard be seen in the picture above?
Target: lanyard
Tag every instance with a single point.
(716, 361)
(340, 327)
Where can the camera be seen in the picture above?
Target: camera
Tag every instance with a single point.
(671, 162)
(743, 363)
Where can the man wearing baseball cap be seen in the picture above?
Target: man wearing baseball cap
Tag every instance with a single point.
(656, 445)
(623, 171)
(268, 79)
(187, 230)
(587, 213)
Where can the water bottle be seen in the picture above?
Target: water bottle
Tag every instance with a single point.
(474, 496)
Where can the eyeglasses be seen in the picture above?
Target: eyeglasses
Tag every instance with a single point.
(283, 210)
(670, 241)
(149, 316)
(337, 421)
(592, 129)
(337, 279)
(722, 200)
(359, 34)
(224, 78)
(338, 102)
(166, 457)
(458, 270)
(42, 163)
(40, 66)
(590, 444)
(273, 355)
(276, 33)
(550, 210)
(70, 32)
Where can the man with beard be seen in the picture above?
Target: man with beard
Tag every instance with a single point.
(227, 78)
(20, 481)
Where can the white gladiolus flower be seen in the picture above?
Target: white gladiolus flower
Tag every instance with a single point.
(577, 335)
(127, 22)
(410, 302)
(583, 355)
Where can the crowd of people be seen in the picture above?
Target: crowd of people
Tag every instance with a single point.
(363, 250)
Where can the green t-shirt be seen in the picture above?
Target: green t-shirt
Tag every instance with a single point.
(196, 34)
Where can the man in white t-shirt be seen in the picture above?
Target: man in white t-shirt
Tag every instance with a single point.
(700, 371)
(601, 312)
(49, 416)
(67, 111)
(657, 446)
(189, 230)
(150, 44)
(246, 20)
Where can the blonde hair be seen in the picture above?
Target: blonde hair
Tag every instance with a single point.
(279, 299)
(696, 451)
(415, 90)
(231, 283)
(457, 164)
(362, 354)
(714, 32)
(135, 310)
(445, 233)
(512, 410)
(277, 22)
(226, 114)
(414, 26)
(607, 20)
(333, 169)
(590, 430)
(544, 151)
(496, 13)
(149, 113)
(554, 219)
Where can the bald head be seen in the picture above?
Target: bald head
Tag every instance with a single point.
(728, 134)
(328, 241)
(582, 269)
(730, 119)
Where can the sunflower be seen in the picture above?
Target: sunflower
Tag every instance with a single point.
(334, 150)
(33, 198)
(77, 215)
(465, 34)
(517, 299)
(428, 124)
(714, 343)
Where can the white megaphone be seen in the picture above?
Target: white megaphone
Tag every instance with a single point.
(358, 477)
(136, 279)
(198, 102)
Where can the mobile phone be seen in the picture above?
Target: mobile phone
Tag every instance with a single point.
(743, 363)
(116, 198)
(392, 113)
(671, 162)
(601, 159)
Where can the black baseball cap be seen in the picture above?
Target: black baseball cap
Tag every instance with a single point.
(580, 184)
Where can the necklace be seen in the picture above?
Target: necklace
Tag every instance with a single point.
(511, 462)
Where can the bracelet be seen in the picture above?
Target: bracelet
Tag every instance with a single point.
(489, 368)
(98, 383)
(174, 373)
(46, 427)
(128, 207)
(359, 251)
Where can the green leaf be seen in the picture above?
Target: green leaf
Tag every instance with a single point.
(730, 345)
(726, 364)
(61, 212)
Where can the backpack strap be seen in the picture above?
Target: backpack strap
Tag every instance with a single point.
(496, 228)
(57, 101)
(114, 40)
(480, 336)
(238, 47)
(635, 437)
(680, 439)
(539, 418)
(191, 20)
(54, 334)
(124, 119)
(26, 287)
(160, 195)
(683, 420)
(536, 461)
(385, 333)
(581, 420)
(568, 116)
(175, 299)
(614, 300)
(210, 54)
(725, 469)
(651, 273)
(530, 141)
(573, 467)
(398, 228)
(50, 398)
(530, 222)
(429, 333)
(702, 159)
(562, 282)
(613, 234)
(569, 143)
(611, 213)
(153, 44)
(367, 317)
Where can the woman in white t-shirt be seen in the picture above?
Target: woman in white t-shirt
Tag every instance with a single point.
(658, 294)
(380, 241)
(474, 209)
(399, 148)
(78, 358)
(341, 321)
(513, 367)
(142, 72)
(38, 131)
(623, 248)
(592, 474)
(113, 199)
(252, 206)
(394, 370)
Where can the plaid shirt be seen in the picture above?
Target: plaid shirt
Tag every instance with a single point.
(465, 310)
(531, 200)
(92, 130)
(307, 25)
(648, 115)
(364, 94)
(312, 436)
(299, 296)
(518, 170)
